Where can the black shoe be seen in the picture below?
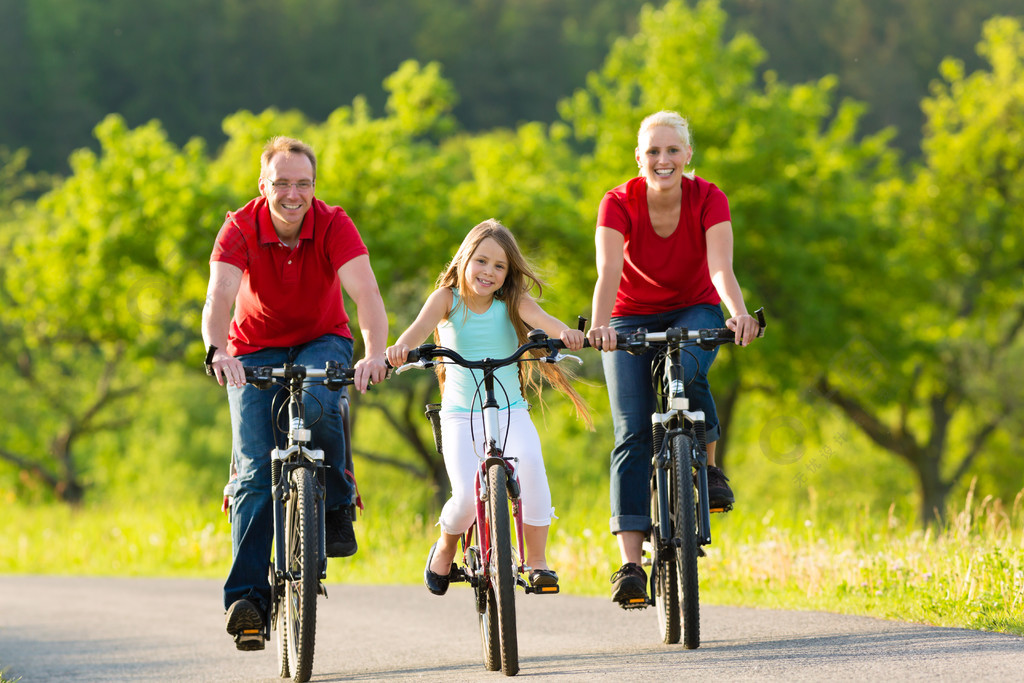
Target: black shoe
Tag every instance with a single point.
(719, 493)
(436, 584)
(245, 623)
(629, 585)
(341, 536)
(543, 578)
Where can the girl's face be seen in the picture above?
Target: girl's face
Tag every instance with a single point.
(486, 269)
(662, 157)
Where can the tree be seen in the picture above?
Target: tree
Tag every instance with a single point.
(86, 277)
(954, 281)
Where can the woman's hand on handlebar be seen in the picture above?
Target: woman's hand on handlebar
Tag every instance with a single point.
(603, 337)
(227, 369)
(746, 328)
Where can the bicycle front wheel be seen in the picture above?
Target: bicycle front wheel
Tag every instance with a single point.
(684, 523)
(664, 575)
(501, 569)
(302, 528)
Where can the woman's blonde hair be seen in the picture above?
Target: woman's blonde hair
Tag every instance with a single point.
(520, 280)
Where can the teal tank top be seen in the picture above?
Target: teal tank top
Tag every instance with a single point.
(475, 337)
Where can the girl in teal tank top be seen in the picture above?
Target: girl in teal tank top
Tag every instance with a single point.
(481, 308)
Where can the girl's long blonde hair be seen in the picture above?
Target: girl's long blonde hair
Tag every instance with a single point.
(520, 280)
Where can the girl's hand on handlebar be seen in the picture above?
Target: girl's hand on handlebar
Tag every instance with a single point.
(746, 328)
(397, 355)
(603, 337)
(573, 339)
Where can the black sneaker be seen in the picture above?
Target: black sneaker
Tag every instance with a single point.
(629, 585)
(341, 536)
(719, 493)
(245, 623)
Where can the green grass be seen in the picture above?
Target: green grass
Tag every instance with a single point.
(969, 574)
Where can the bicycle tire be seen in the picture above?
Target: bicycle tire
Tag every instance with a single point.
(684, 524)
(278, 620)
(502, 573)
(489, 628)
(302, 530)
(664, 577)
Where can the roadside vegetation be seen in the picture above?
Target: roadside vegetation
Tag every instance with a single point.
(816, 549)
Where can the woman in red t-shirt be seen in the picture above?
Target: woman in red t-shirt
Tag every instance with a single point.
(664, 259)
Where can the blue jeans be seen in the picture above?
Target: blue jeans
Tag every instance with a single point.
(633, 402)
(254, 436)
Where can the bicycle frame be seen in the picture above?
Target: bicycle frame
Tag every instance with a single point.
(492, 568)
(494, 455)
(676, 418)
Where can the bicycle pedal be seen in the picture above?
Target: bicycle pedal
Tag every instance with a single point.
(724, 508)
(542, 590)
(635, 603)
(250, 640)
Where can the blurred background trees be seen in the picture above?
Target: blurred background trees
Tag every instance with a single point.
(889, 265)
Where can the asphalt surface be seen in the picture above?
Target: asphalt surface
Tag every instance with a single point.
(96, 629)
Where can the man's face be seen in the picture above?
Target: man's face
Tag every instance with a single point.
(288, 186)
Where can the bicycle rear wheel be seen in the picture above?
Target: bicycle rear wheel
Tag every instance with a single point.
(302, 529)
(664, 576)
(684, 523)
(502, 573)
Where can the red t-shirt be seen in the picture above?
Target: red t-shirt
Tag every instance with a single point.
(287, 296)
(662, 274)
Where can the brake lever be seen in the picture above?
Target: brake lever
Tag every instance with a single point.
(558, 357)
(422, 363)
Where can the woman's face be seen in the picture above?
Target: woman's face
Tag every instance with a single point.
(662, 157)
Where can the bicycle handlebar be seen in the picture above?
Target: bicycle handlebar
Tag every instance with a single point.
(637, 342)
(333, 374)
(422, 356)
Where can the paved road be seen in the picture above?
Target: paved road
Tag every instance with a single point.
(94, 629)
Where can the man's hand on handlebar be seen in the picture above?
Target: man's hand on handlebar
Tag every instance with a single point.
(746, 328)
(369, 370)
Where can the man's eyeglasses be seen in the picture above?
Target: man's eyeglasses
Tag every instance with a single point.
(283, 185)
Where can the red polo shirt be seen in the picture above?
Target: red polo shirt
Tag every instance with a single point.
(661, 274)
(287, 296)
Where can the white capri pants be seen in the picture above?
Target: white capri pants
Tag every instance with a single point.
(462, 457)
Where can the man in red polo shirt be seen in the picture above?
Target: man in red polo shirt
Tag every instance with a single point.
(283, 261)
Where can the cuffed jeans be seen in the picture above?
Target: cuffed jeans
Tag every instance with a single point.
(254, 436)
(628, 378)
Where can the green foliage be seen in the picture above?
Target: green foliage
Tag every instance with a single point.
(127, 219)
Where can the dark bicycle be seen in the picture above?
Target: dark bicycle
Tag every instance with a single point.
(298, 489)
(680, 509)
(494, 557)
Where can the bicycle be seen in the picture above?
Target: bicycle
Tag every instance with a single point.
(493, 550)
(680, 509)
(298, 489)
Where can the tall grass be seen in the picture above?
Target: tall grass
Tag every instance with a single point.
(968, 573)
